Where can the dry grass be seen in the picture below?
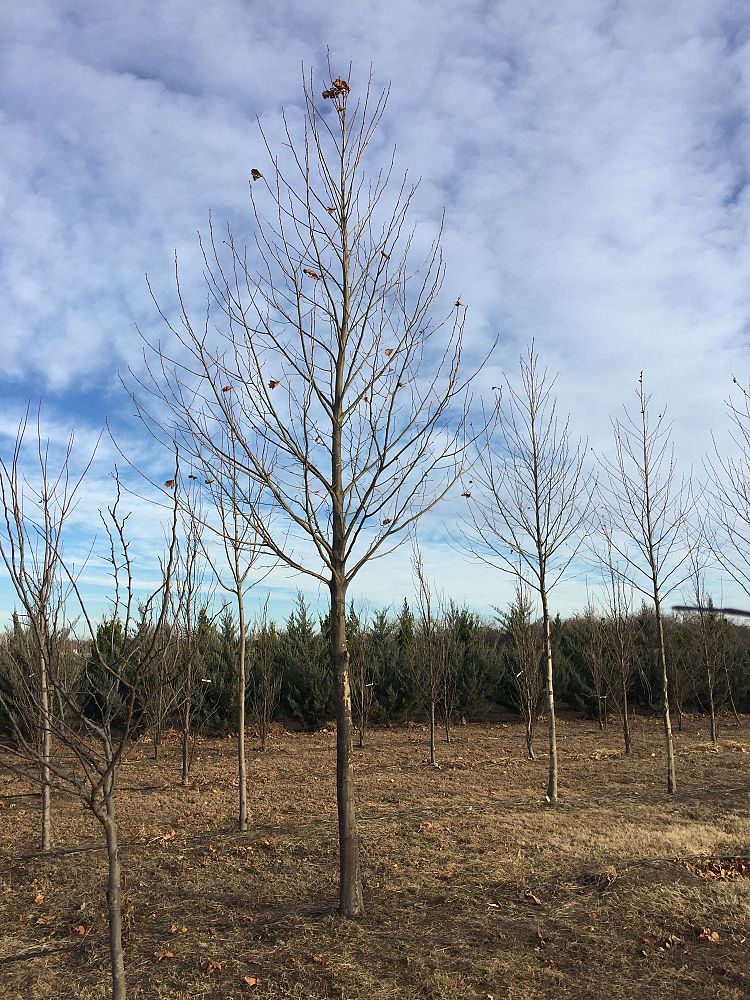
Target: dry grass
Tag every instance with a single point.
(475, 887)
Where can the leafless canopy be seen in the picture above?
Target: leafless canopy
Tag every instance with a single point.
(318, 341)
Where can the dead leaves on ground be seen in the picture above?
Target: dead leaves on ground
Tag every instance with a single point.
(722, 870)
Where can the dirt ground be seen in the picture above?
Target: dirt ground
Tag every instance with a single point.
(475, 887)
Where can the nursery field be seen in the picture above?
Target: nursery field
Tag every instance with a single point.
(475, 887)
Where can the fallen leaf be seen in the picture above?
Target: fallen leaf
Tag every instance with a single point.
(178, 929)
(216, 965)
(250, 980)
(708, 935)
(80, 929)
(39, 898)
(161, 954)
(531, 898)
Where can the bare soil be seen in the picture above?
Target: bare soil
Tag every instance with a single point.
(475, 886)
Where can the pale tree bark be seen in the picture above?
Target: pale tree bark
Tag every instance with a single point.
(646, 525)
(529, 511)
(321, 360)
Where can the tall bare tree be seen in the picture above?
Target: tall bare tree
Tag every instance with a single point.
(619, 638)
(525, 653)
(646, 524)
(228, 502)
(347, 405)
(531, 502)
(433, 647)
(90, 723)
(36, 504)
(265, 675)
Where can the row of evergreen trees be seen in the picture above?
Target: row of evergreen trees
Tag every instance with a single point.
(466, 667)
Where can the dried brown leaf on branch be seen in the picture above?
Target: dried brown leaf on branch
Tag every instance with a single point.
(227, 388)
(272, 383)
(169, 483)
(255, 174)
(310, 273)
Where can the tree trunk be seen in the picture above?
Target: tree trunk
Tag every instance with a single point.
(671, 777)
(552, 727)
(625, 721)
(241, 685)
(44, 771)
(529, 738)
(159, 717)
(599, 711)
(433, 759)
(186, 744)
(351, 903)
(712, 711)
(114, 898)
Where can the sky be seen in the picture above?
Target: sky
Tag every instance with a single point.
(591, 159)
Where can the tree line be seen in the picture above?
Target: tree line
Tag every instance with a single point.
(454, 669)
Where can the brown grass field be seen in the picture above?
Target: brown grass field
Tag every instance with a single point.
(475, 887)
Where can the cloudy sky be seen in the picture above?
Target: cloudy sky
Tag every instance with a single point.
(592, 158)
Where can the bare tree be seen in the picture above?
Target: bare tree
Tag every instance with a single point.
(192, 624)
(347, 406)
(594, 646)
(532, 502)
(433, 647)
(646, 523)
(228, 502)
(525, 653)
(35, 509)
(265, 675)
(90, 723)
(619, 640)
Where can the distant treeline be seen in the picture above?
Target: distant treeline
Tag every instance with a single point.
(468, 667)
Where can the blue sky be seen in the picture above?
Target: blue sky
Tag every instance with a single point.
(592, 159)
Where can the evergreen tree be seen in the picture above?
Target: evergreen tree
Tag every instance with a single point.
(307, 684)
